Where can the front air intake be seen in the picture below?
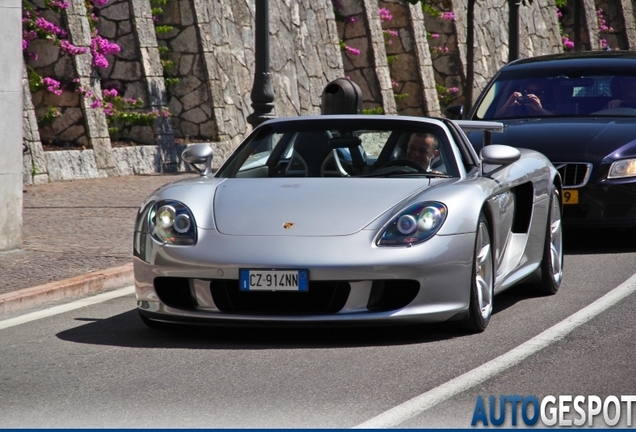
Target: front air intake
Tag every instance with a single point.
(175, 292)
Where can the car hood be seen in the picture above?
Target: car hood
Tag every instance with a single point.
(591, 139)
(308, 207)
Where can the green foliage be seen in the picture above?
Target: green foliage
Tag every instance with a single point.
(35, 80)
(391, 58)
(560, 3)
(400, 96)
(163, 49)
(156, 11)
(167, 64)
(171, 81)
(51, 114)
(427, 8)
(376, 110)
(163, 29)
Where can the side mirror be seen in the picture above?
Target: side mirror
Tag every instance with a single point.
(455, 112)
(497, 154)
(199, 154)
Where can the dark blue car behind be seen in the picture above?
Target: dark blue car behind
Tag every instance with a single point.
(579, 109)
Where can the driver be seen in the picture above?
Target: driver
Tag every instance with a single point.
(422, 149)
(624, 92)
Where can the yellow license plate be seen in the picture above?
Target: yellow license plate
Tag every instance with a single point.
(570, 196)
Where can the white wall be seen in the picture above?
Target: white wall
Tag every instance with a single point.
(10, 124)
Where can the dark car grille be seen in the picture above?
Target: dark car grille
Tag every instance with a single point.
(574, 174)
(175, 292)
(321, 297)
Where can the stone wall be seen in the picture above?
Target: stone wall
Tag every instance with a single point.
(539, 34)
(201, 67)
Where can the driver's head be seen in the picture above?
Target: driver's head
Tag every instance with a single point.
(421, 148)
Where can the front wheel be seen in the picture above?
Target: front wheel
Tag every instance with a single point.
(482, 287)
(552, 261)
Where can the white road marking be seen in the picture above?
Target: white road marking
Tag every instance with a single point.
(88, 301)
(429, 399)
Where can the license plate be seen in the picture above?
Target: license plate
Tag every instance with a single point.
(273, 280)
(570, 196)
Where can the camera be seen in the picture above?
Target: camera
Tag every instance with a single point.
(523, 100)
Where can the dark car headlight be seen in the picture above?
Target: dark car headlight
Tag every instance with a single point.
(172, 222)
(413, 225)
(622, 169)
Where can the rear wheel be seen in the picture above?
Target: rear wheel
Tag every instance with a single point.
(482, 281)
(552, 261)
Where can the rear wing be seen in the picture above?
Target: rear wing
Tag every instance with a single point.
(488, 127)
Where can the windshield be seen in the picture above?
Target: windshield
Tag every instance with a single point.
(344, 148)
(559, 94)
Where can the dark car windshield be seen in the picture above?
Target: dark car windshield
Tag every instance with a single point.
(344, 148)
(533, 93)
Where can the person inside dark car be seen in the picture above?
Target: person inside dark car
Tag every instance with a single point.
(525, 102)
(623, 92)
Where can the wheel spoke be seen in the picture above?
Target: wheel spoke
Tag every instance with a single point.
(483, 272)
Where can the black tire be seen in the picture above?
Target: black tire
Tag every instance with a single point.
(482, 281)
(552, 260)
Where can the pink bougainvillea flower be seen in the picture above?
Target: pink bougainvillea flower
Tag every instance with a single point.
(385, 14)
(110, 93)
(352, 51)
(567, 43)
(52, 85)
(48, 27)
(447, 16)
(71, 49)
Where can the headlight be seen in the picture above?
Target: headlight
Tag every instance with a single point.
(413, 225)
(622, 169)
(172, 222)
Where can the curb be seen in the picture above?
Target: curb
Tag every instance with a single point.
(115, 277)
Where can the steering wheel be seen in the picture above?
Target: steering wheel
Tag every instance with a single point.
(403, 163)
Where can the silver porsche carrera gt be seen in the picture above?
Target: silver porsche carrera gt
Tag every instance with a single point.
(328, 220)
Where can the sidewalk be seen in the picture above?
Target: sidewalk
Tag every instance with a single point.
(76, 238)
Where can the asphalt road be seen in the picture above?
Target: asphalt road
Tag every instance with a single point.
(99, 366)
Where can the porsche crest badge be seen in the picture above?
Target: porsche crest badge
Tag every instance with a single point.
(288, 225)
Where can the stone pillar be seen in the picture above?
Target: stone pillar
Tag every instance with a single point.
(382, 71)
(35, 170)
(590, 24)
(153, 74)
(226, 37)
(539, 29)
(96, 126)
(618, 15)
(629, 21)
(424, 63)
(11, 125)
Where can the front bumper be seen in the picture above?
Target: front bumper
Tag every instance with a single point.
(607, 203)
(350, 280)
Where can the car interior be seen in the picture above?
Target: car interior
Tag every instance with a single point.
(335, 153)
